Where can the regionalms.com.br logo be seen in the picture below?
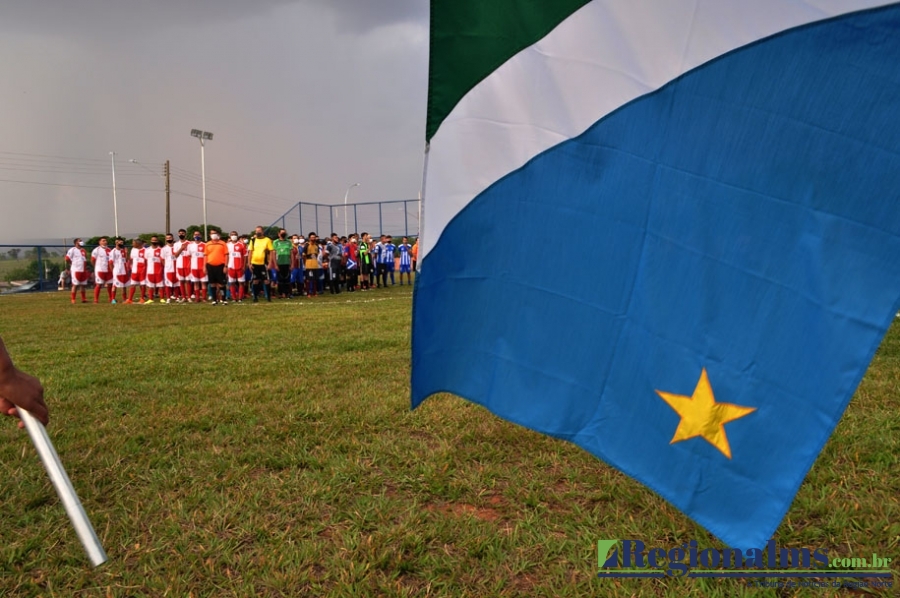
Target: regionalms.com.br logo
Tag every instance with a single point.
(633, 559)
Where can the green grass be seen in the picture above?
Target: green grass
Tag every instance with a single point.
(269, 450)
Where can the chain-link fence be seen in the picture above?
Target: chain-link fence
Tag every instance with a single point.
(399, 218)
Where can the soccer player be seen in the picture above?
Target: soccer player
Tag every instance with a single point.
(311, 259)
(170, 271)
(378, 266)
(365, 262)
(260, 249)
(155, 270)
(335, 254)
(76, 260)
(138, 270)
(216, 256)
(18, 389)
(183, 265)
(386, 257)
(121, 276)
(351, 263)
(237, 260)
(285, 254)
(405, 261)
(297, 266)
(197, 250)
(103, 275)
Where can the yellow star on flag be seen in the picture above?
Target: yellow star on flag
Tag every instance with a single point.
(702, 416)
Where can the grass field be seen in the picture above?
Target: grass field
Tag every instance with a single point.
(269, 450)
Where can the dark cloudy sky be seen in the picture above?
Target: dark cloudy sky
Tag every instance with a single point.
(304, 97)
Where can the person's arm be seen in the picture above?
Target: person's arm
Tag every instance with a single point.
(18, 389)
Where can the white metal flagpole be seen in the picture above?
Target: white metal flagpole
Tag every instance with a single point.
(64, 488)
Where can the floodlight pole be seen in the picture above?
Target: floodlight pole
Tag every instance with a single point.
(203, 136)
(115, 203)
(203, 184)
(347, 195)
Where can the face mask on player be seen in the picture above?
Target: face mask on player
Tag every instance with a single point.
(214, 237)
(233, 238)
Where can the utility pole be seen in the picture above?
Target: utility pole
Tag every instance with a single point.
(168, 214)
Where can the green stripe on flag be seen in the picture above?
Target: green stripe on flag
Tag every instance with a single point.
(471, 38)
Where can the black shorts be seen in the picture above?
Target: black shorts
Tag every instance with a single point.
(216, 274)
(259, 272)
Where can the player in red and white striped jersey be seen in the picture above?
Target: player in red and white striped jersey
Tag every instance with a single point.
(102, 269)
(121, 275)
(197, 250)
(183, 265)
(237, 263)
(155, 271)
(76, 261)
(138, 269)
(170, 273)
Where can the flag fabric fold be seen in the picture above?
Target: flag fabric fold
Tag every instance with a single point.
(665, 231)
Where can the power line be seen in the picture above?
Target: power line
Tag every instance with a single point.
(75, 186)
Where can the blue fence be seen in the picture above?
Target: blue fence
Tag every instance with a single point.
(399, 218)
(31, 267)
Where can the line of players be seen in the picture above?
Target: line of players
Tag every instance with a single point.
(175, 270)
(185, 270)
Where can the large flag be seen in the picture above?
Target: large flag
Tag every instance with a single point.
(667, 231)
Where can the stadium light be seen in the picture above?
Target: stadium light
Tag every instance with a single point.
(202, 136)
(346, 195)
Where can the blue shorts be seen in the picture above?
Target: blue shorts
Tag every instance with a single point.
(296, 275)
(404, 268)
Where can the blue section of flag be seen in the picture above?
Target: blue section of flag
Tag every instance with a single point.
(744, 219)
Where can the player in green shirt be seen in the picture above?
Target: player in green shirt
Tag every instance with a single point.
(285, 256)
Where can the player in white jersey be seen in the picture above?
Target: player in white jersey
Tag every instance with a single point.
(170, 274)
(76, 261)
(121, 275)
(155, 272)
(138, 269)
(237, 263)
(182, 265)
(198, 266)
(102, 269)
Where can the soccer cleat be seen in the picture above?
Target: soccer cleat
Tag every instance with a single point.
(147, 301)
(112, 302)
(129, 302)
(73, 302)
(224, 303)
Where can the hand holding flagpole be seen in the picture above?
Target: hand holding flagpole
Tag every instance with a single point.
(64, 488)
(23, 395)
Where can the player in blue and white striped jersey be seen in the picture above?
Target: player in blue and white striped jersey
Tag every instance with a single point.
(405, 261)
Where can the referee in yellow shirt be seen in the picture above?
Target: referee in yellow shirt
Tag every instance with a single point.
(260, 250)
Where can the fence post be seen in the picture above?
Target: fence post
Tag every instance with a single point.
(355, 220)
(300, 216)
(316, 225)
(405, 220)
(40, 262)
(331, 218)
(380, 222)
